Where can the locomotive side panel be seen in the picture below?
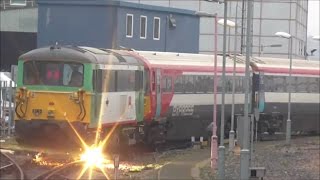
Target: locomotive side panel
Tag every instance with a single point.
(119, 95)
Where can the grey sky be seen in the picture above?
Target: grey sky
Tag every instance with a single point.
(313, 17)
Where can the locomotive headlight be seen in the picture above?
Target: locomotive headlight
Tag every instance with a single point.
(51, 113)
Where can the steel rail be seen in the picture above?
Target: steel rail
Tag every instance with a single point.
(6, 166)
(48, 174)
(14, 163)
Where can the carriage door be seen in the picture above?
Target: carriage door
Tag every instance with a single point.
(158, 92)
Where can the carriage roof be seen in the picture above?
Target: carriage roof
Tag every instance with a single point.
(184, 59)
(265, 64)
(80, 54)
(280, 65)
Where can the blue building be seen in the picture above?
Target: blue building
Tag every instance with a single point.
(112, 24)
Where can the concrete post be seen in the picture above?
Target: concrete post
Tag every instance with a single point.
(288, 127)
(232, 133)
(214, 138)
(245, 154)
(221, 151)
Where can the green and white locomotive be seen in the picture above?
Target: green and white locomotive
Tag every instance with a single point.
(66, 89)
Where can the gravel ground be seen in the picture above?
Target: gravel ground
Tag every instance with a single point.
(299, 161)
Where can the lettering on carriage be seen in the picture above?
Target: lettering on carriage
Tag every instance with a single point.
(183, 110)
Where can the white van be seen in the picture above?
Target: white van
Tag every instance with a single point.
(5, 99)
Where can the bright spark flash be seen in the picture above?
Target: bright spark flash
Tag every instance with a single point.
(94, 157)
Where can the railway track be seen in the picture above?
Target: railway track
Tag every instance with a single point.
(10, 169)
(60, 172)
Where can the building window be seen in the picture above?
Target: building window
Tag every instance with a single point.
(129, 25)
(143, 27)
(156, 28)
(18, 2)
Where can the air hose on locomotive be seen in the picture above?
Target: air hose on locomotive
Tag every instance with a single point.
(22, 98)
(79, 99)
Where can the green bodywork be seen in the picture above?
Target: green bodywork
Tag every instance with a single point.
(96, 102)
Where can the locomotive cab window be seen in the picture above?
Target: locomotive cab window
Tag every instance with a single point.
(53, 73)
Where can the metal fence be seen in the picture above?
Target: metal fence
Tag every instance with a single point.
(7, 104)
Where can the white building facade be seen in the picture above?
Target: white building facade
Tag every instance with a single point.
(269, 17)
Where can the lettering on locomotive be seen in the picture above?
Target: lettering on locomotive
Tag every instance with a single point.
(183, 110)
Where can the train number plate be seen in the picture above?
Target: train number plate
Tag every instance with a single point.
(183, 110)
(37, 112)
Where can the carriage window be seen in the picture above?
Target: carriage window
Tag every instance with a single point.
(228, 84)
(219, 85)
(275, 83)
(125, 81)
(199, 84)
(268, 84)
(279, 84)
(239, 84)
(166, 84)
(53, 73)
(313, 85)
(209, 84)
(302, 84)
(203, 84)
(189, 84)
(178, 85)
(293, 83)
